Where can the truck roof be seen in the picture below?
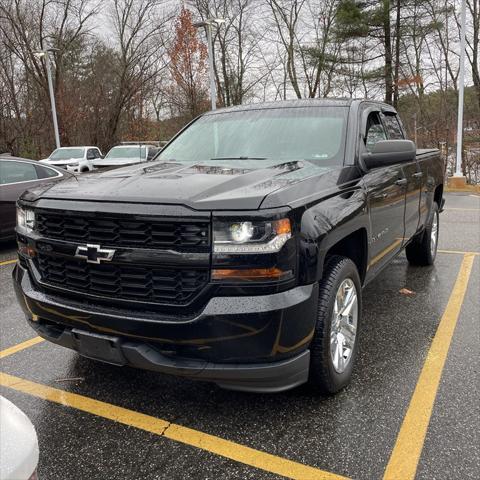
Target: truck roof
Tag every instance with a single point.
(306, 102)
(76, 146)
(130, 145)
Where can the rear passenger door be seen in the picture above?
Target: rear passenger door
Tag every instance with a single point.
(412, 173)
(386, 199)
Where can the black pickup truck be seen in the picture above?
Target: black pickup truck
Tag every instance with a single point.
(239, 254)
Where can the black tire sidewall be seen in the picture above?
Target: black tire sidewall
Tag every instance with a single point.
(322, 372)
(419, 251)
(435, 213)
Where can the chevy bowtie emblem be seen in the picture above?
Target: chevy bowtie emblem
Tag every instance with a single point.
(94, 253)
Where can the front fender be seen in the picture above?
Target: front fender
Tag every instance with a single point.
(326, 223)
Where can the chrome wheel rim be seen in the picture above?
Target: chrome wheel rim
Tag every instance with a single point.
(343, 331)
(434, 234)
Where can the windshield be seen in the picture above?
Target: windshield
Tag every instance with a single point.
(126, 152)
(66, 153)
(277, 134)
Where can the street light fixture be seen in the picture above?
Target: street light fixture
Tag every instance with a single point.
(461, 89)
(208, 24)
(46, 55)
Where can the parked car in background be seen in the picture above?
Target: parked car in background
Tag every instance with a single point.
(18, 444)
(74, 159)
(127, 154)
(16, 175)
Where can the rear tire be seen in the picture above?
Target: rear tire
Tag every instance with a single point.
(335, 341)
(423, 250)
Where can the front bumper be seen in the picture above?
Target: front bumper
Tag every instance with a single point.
(256, 343)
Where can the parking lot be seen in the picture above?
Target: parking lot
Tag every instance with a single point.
(410, 412)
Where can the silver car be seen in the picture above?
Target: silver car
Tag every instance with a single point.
(18, 444)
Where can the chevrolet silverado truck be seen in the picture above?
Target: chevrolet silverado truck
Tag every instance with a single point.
(238, 255)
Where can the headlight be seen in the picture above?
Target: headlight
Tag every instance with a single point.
(25, 219)
(251, 236)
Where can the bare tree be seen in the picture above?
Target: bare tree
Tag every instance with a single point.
(188, 68)
(239, 60)
(286, 16)
(29, 26)
(473, 43)
(139, 27)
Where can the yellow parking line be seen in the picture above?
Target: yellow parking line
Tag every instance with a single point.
(458, 252)
(409, 444)
(204, 441)
(20, 346)
(8, 262)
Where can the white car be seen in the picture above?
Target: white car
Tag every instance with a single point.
(74, 159)
(127, 154)
(18, 444)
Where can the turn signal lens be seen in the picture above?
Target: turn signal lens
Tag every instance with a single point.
(26, 250)
(282, 226)
(250, 274)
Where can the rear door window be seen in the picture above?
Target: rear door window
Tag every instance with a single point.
(45, 172)
(17, 172)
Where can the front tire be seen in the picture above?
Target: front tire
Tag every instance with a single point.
(335, 343)
(423, 250)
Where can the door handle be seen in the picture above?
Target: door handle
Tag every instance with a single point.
(401, 181)
(418, 175)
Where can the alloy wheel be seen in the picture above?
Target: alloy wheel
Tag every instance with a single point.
(344, 325)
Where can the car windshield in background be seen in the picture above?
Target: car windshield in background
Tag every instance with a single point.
(126, 152)
(278, 134)
(67, 153)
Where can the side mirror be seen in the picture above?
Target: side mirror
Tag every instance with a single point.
(389, 152)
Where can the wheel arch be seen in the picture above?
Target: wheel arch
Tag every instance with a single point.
(438, 195)
(337, 226)
(355, 247)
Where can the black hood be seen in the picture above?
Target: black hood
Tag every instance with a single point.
(218, 185)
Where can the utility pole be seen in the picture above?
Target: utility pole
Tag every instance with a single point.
(461, 90)
(415, 127)
(45, 54)
(208, 27)
(213, 90)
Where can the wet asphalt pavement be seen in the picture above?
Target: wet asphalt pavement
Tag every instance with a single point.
(351, 434)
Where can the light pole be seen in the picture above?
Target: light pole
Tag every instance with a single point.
(461, 89)
(45, 54)
(208, 27)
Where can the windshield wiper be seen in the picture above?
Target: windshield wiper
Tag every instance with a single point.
(239, 158)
